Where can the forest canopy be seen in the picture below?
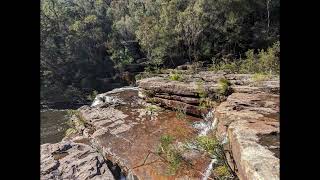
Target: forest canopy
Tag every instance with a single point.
(87, 43)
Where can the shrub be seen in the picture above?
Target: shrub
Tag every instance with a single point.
(258, 77)
(152, 108)
(70, 131)
(92, 95)
(224, 86)
(171, 155)
(181, 113)
(211, 145)
(269, 59)
(201, 90)
(175, 76)
(222, 172)
(231, 67)
(121, 57)
(206, 103)
(76, 119)
(265, 61)
(207, 143)
(166, 140)
(250, 64)
(72, 112)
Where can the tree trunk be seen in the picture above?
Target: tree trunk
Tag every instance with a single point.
(268, 12)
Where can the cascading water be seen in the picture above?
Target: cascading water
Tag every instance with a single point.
(208, 170)
(204, 127)
(208, 124)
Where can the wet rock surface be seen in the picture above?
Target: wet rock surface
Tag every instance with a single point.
(73, 160)
(129, 135)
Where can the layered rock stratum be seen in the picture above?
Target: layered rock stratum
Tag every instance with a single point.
(125, 126)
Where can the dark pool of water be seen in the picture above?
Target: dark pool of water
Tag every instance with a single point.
(53, 125)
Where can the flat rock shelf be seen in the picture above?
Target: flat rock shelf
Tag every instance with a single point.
(124, 128)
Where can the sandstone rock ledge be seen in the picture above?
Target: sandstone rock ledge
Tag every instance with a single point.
(186, 94)
(247, 119)
(124, 127)
(249, 125)
(128, 131)
(72, 160)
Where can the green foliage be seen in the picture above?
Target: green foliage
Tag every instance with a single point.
(92, 95)
(152, 108)
(250, 65)
(222, 172)
(211, 145)
(181, 113)
(76, 119)
(85, 41)
(72, 112)
(175, 76)
(165, 141)
(70, 131)
(258, 77)
(72, 48)
(224, 87)
(169, 153)
(207, 143)
(264, 62)
(230, 67)
(202, 93)
(121, 57)
(207, 103)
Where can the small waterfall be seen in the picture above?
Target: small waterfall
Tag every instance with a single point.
(209, 123)
(208, 170)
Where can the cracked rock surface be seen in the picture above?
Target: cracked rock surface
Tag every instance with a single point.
(71, 160)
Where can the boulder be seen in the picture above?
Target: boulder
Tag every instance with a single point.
(71, 160)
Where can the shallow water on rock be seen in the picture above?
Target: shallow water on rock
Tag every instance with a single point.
(53, 124)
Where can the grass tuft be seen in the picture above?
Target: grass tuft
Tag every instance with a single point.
(169, 153)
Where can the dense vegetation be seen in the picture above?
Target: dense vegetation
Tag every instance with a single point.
(86, 44)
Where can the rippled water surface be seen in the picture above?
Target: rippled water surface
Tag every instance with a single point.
(53, 125)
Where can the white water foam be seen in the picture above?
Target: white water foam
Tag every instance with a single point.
(208, 170)
(104, 98)
(209, 123)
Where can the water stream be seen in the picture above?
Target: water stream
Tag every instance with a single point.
(53, 124)
(205, 127)
(209, 169)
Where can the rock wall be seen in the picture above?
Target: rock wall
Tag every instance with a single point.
(186, 94)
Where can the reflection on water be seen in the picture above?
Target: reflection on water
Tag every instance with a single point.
(53, 125)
